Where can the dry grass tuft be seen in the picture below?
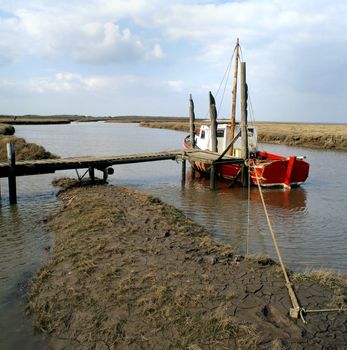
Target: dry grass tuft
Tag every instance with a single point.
(329, 279)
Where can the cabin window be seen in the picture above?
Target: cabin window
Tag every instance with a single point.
(220, 133)
(202, 134)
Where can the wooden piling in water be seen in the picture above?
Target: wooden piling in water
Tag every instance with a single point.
(213, 177)
(184, 166)
(213, 126)
(12, 187)
(244, 130)
(91, 171)
(191, 121)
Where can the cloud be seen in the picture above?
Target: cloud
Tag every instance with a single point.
(67, 82)
(295, 50)
(84, 31)
(108, 43)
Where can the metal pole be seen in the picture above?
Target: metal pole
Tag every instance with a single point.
(11, 157)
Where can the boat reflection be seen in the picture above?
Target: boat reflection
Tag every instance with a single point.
(294, 199)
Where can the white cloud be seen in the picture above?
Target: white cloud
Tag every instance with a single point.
(84, 31)
(67, 82)
(295, 49)
(108, 43)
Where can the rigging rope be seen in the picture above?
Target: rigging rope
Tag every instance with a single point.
(226, 78)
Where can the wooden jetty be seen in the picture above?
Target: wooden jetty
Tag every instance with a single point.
(11, 169)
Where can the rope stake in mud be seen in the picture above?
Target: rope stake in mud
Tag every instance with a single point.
(296, 311)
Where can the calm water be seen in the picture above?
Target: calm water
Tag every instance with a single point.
(310, 221)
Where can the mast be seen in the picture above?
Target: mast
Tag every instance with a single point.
(233, 106)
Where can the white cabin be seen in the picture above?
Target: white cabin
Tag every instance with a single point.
(203, 139)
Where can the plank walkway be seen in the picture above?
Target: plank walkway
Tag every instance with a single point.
(35, 167)
(12, 169)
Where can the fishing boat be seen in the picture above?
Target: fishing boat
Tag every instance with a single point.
(234, 145)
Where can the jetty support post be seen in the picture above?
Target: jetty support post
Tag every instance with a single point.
(91, 171)
(244, 130)
(105, 175)
(213, 177)
(213, 126)
(184, 166)
(12, 187)
(192, 130)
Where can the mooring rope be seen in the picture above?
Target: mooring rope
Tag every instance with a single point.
(248, 209)
(297, 310)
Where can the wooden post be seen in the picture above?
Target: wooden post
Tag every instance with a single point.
(213, 177)
(191, 121)
(192, 171)
(213, 126)
(91, 171)
(105, 175)
(183, 180)
(244, 130)
(233, 105)
(11, 157)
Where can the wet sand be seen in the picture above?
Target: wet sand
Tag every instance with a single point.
(130, 272)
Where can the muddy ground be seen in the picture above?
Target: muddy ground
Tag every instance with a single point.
(130, 272)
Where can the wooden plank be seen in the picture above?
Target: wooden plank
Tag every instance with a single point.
(52, 165)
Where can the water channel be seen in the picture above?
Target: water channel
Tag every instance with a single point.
(310, 221)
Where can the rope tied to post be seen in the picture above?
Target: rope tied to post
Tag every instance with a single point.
(296, 311)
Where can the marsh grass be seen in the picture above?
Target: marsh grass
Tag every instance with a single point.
(24, 150)
(324, 136)
(329, 279)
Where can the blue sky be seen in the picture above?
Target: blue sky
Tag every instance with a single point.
(137, 57)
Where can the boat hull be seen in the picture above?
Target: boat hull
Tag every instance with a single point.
(269, 170)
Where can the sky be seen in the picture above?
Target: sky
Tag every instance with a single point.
(137, 57)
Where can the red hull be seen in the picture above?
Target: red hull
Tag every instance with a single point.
(266, 168)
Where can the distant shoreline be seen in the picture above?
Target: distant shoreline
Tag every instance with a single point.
(316, 136)
(309, 135)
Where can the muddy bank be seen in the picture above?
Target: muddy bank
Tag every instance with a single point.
(24, 150)
(321, 136)
(6, 129)
(130, 272)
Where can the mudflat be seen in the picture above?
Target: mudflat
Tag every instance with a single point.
(128, 271)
